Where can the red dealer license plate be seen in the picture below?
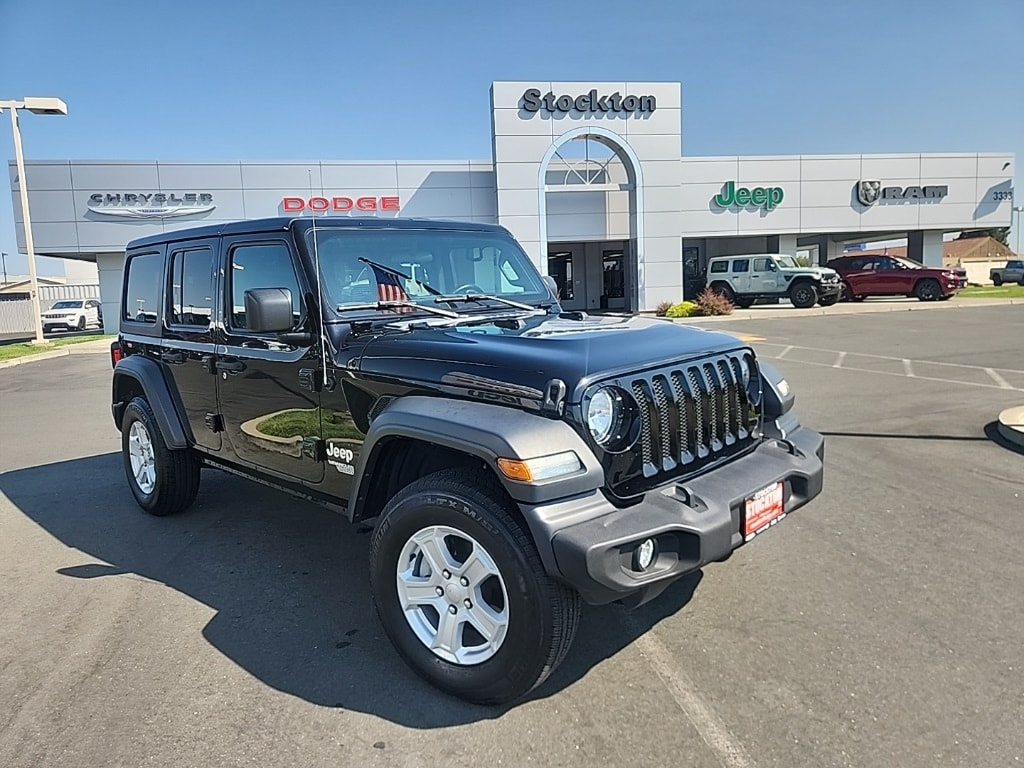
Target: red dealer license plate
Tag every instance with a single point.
(762, 510)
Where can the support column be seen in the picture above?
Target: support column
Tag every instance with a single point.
(925, 247)
(782, 244)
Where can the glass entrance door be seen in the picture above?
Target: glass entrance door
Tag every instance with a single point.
(567, 265)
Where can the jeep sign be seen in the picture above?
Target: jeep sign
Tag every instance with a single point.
(532, 101)
(758, 197)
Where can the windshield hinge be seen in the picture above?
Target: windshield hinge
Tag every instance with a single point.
(554, 397)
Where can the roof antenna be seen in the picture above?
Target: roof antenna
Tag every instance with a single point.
(319, 287)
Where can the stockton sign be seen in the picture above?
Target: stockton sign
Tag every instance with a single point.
(150, 205)
(592, 101)
(758, 197)
(340, 204)
(870, 191)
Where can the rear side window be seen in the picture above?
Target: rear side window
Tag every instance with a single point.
(143, 279)
(191, 295)
(741, 265)
(719, 267)
(262, 265)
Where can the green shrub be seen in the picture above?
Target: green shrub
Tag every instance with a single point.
(662, 309)
(682, 309)
(710, 303)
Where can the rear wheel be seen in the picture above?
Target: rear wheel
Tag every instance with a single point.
(163, 481)
(725, 291)
(744, 302)
(803, 295)
(928, 289)
(461, 591)
(997, 280)
(828, 301)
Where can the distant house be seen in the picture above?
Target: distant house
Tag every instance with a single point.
(20, 283)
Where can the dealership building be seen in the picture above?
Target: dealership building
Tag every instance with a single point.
(589, 177)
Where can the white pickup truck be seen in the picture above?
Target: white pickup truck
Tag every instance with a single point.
(1013, 272)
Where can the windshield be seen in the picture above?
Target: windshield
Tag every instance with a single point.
(420, 265)
(787, 261)
(67, 305)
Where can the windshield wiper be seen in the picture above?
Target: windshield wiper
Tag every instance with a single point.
(430, 289)
(482, 297)
(394, 304)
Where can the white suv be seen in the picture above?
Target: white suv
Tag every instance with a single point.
(745, 278)
(73, 315)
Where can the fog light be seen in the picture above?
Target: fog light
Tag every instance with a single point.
(644, 555)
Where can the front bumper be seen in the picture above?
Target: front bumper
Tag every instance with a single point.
(693, 523)
(825, 290)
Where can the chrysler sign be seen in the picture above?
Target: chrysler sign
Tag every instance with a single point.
(150, 205)
(592, 101)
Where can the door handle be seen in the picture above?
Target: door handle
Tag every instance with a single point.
(233, 366)
(175, 357)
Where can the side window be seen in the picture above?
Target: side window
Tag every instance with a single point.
(191, 294)
(260, 265)
(719, 267)
(761, 265)
(141, 298)
(885, 263)
(741, 265)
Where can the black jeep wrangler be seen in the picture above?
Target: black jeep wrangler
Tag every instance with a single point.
(420, 376)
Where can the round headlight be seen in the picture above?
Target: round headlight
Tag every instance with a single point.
(602, 414)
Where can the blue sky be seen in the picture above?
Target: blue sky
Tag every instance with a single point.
(190, 80)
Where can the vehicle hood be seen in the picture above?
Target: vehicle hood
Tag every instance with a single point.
(519, 357)
(818, 272)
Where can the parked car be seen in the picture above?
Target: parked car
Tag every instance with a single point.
(746, 278)
(421, 377)
(1013, 272)
(865, 276)
(73, 315)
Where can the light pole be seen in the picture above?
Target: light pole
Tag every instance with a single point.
(3, 258)
(1019, 209)
(39, 106)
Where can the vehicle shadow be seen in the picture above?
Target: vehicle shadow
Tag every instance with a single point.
(288, 581)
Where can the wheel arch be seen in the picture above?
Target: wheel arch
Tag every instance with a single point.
(136, 376)
(417, 435)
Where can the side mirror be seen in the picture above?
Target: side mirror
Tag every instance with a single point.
(268, 310)
(552, 286)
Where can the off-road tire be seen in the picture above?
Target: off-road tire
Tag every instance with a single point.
(81, 323)
(997, 280)
(177, 472)
(542, 612)
(725, 291)
(828, 301)
(744, 302)
(928, 289)
(803, 295)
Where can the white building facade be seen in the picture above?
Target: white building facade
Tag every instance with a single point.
(589, 177)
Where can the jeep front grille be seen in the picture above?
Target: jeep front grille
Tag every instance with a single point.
(690, 415)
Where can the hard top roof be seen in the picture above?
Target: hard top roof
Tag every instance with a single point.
(284, 223)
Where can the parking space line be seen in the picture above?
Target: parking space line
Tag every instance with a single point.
(708, 724)
(908, 368)
(1003, 383)
(783, 353)
(839, 360)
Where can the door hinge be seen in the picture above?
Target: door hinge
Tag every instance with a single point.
(313, 448)
(215, 422)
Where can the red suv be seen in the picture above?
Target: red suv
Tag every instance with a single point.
(865, 276)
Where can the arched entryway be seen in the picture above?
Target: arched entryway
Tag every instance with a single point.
(590, 190)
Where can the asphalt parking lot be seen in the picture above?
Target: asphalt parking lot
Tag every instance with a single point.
(879, 626)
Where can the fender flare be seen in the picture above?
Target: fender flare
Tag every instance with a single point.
(485, 431)
(151, 379)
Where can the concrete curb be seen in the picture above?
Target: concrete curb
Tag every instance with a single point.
(1011, 425)
(100, 346)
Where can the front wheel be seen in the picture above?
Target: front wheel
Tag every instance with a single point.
(928, 290)
(81, 323)
(163, 481)
(461, 591)
(803, 295)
